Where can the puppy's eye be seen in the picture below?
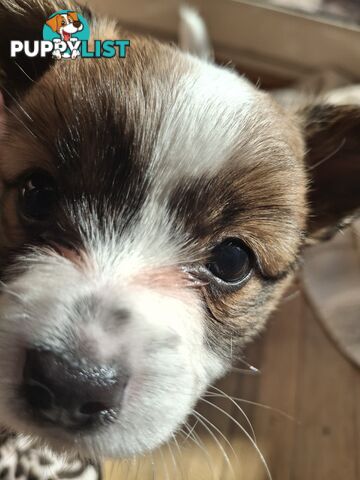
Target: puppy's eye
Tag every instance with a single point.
(37, 196)
(231, 261)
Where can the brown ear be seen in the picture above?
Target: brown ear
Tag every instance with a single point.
(332, 136)
(53, 23)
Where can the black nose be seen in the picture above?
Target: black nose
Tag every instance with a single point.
(70, 394)
(76, 24)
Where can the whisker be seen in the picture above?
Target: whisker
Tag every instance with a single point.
(118, 466)
(248, 436)
(198, 442)
(179, 452)
(192, 429)
(137, 463)
(225, 395)
(23, 71)
(226, 440)
(129, 465)
(20, 120)
(249, 366)
(291, 296)
(266, 407)
(6, 289)
(244, 371)
(332, 154)
(174, 462)
(153, 466)
(216, 440)
(15, 100)
(166, 471)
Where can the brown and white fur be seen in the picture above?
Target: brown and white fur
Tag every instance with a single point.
(166, 156)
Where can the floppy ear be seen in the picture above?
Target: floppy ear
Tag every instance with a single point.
(332, 135)
(53, 23)
(24, 20)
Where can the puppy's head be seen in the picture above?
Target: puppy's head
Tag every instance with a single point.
(153, 211)
(68, 22)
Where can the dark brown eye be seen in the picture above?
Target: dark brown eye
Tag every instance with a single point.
(38, 196)
(231, 261)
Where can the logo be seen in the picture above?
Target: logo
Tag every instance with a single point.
(66, 34)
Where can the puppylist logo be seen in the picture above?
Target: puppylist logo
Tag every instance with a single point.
(66, 35)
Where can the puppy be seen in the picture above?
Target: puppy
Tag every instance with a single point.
(146, 238)
(65, 24)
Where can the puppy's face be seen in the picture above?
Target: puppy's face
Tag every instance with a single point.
(65, 23)
(68, 25)
(153, 212)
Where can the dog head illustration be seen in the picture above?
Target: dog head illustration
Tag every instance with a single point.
(65, 24)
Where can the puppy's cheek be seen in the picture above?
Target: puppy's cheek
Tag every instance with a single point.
(173, 330)
(237, 317)
(171, 366)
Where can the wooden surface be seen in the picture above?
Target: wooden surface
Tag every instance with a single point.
(303, 375)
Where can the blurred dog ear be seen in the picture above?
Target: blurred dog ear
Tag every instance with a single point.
(53, 23)
(24, 20)
(193, 35)
(332, 135)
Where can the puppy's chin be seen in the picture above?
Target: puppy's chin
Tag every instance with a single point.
(88, 324)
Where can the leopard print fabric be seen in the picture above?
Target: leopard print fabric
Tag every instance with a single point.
(19, 461)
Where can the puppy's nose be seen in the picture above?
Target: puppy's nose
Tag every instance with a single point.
(76, 24)
(68, 393)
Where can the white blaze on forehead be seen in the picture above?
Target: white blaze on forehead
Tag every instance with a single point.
(204, 121)
(65, 17)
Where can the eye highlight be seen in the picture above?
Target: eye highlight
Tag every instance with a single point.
(38, 196)
(231, 261)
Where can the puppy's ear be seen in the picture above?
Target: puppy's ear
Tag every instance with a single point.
(53, 23)
(332, 136)
(193, 35)
(24, 20)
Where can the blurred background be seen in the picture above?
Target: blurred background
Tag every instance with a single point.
(291, 408)
(274, 42)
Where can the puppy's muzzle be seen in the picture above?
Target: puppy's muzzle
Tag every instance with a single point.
(68, 394)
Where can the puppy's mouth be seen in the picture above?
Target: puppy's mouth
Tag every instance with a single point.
(66, 36)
